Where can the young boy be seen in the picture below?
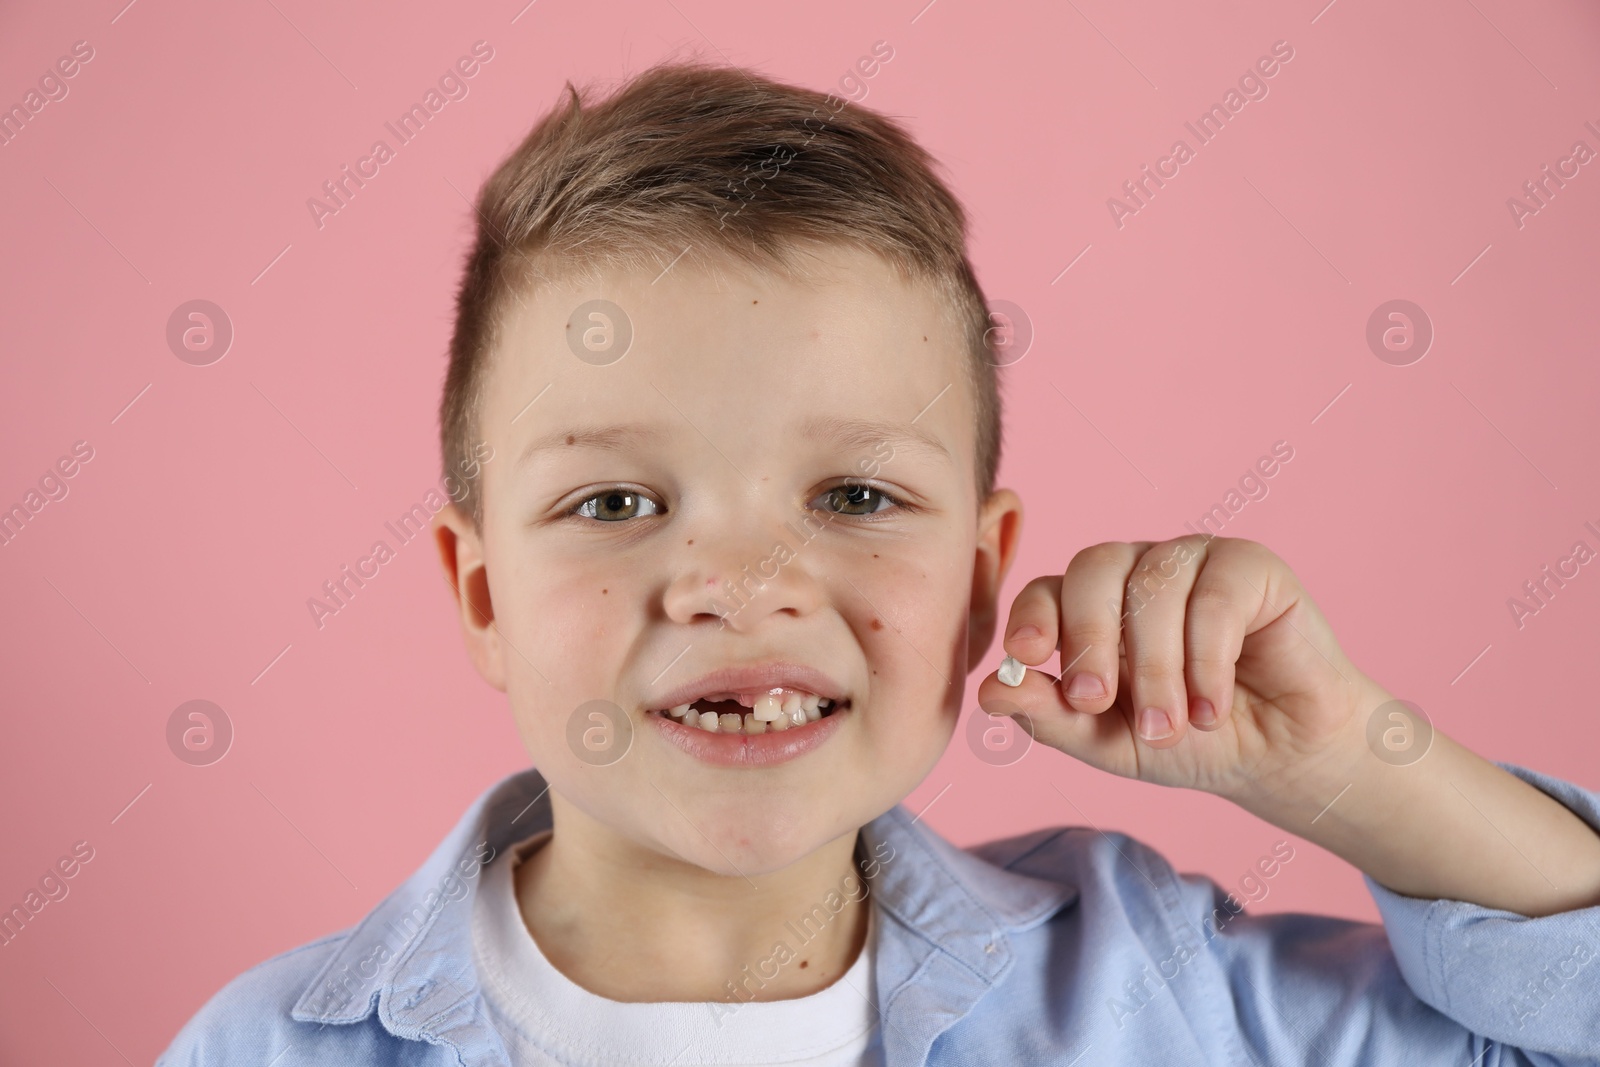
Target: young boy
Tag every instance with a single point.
(732, 549)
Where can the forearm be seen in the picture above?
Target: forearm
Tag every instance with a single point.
(1452, 826)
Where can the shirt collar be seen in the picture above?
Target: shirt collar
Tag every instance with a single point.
(949, 916)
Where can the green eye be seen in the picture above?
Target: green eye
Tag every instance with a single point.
(857, 499)
(616, 505)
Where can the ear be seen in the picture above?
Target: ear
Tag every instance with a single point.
(999, 533)
(461, 555)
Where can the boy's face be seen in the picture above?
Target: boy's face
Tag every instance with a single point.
(636, 548)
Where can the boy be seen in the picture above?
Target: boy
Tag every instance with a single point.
(733, 553)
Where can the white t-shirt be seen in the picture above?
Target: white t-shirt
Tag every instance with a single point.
(547, 1019)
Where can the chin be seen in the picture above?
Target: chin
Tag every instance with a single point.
(756, 842)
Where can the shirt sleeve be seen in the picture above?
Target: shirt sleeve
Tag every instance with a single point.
(1439, 982)
(1533, 983)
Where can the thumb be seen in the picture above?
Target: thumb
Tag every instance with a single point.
(1102, 740)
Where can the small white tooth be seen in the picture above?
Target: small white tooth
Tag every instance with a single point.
(680, 711)
(811, 711)
(731, 722)
(767, 708)
(782, 722)
(811, 700)
(823, 702)
(1012, 672)
(708, 721)
(792, 700)
(797, 717)
(753, 725)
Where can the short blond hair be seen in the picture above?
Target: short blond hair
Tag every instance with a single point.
(729, 164)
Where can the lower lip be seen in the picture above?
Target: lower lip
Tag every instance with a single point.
(750, 750)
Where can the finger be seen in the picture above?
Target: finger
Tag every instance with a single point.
(1153, 629)
(1091, 622)
(1033, 626)
(1221, 607)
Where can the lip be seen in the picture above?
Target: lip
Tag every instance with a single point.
(751, 750)
(754, 680)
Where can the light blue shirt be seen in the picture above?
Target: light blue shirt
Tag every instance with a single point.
(1061, 946)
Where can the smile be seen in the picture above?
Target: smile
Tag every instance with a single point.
(777, 710)
(754, 715)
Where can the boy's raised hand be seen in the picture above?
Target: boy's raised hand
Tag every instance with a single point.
(1216, 632)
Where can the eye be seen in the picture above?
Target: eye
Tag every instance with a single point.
(616, 505)
(854, 498)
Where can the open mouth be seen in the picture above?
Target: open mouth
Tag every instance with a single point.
(780, 708)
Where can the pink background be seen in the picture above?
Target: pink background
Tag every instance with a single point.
(1224, 316)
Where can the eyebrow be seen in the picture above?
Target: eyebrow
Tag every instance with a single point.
(862, 434)
(849, 434)
(603, 438)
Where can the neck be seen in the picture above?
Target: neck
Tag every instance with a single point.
(632, 924)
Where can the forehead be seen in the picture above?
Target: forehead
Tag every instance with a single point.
(735, 353)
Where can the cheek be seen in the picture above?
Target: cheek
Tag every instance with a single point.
(574, 622)
(568, 602)
(567, 620)
(913, 631)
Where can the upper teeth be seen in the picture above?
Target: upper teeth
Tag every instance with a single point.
(778, 709)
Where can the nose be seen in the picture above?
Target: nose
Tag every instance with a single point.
(737, 582)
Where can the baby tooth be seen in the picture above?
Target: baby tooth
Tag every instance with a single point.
(798, 716)
(792, 700)
(813, 702)
(731, 722)
(708, 721)
(754, 725)
(1012, 671)
(680, 711)
(811, 711)
(767, 708)
(782, 722)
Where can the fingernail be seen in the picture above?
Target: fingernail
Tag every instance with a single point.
(1085, 687)
(1154, 724)
(1202, 713)
(1024, 632)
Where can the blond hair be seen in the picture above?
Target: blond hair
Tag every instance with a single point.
(728, 164)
